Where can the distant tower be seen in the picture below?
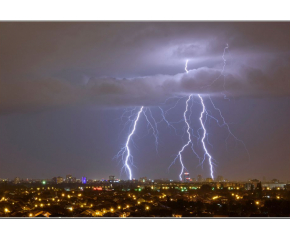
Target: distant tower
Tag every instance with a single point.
(111, 178)
(68, 178)
(59, 180)
(186, 177)
(16, 180)
(220, 179)
(209, 180)
(84, 180)
(199, 178)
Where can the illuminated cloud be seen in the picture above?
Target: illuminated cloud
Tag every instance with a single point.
(49, 65)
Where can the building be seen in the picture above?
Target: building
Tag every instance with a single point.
(111, 178)
(255, 182)
(68, 178)
(209, 180)
(220, 179)
(186, 177)
(143, 179)
(270, 186)
(84, 180)
(59, 180)
(16, 180)
(199, 178)
(248, 186)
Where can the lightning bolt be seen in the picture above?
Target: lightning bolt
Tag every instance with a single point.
(179, 155)
(154, 129)
(126, 148)
(186, 66)
(228, 128)
(203, 137)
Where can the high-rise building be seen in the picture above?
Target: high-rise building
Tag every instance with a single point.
(220, 179)
(59, 180)
(68, 178)
(111, 178)
(143, 179)
(84, 180)
(186, 177)
(54, 180)
(248, 186)
(209, 180)
(199, 178)
(16, 180)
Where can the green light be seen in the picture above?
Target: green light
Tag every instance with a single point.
(212, 188)
(43, 182)
(139, 189)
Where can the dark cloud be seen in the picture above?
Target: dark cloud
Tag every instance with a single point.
(60, 64)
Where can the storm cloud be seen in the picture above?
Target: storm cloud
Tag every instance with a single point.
(107, 64)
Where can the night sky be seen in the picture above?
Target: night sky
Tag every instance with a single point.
(64, 87)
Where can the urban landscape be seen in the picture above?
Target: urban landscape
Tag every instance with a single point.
(144, 198)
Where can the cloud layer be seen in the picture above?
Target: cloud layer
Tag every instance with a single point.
(50, 65)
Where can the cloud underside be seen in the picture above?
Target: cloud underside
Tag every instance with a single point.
(51, 65)
(151, 90)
